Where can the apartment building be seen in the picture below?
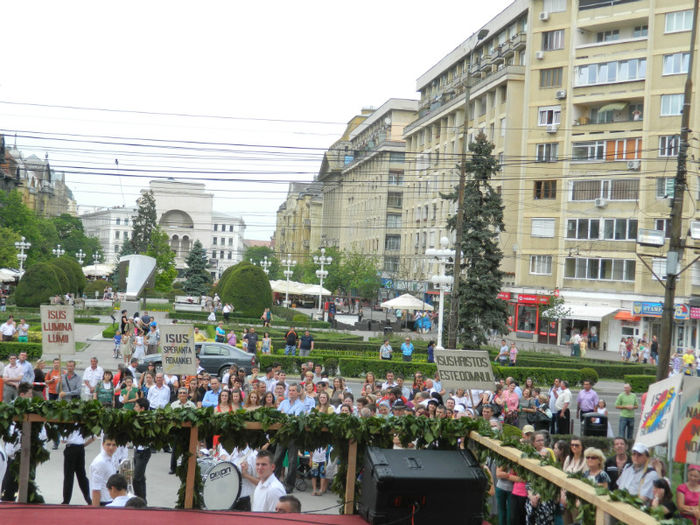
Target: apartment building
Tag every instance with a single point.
(298, 230)
(112, 226)
(582, 101)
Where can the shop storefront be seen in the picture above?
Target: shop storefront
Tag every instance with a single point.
(685, 325)
(525, 317)
(591, 322)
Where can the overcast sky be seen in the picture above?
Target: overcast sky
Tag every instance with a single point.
(284, 75)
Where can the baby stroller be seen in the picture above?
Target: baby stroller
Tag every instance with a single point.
(303, 472)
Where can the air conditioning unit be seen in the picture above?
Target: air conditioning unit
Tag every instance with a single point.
(560, 95)
(544, 16)
(552, 128)
(539, 55)
(634, 165)
(600, 203)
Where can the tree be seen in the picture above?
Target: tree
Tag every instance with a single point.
(71, 236)
(305, 270)
(38, 284)
(359, 273)
(554, 311)
(143, 223)
(247, 288)
(159, 249)
(197, 277)
(258, 253)
(8, 252)
(480, 310)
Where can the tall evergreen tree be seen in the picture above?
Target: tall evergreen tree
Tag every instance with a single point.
(197, 277)
(480, 309)
(143, 223)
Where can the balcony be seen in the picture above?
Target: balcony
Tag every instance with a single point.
(617, 115)
(584, 5)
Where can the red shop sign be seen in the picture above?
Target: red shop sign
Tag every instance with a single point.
(694, 312)
(532, 299)
(504, 296)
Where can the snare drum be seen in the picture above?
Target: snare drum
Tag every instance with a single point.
(222, 485)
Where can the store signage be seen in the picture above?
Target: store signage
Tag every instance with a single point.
(694, 312)
(506, 296)
(657, 309)
(533, 299)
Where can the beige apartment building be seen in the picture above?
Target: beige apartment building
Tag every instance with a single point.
(582, 100)
(298, 230)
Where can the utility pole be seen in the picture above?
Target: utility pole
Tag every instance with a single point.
(676, 244)
(459, 223)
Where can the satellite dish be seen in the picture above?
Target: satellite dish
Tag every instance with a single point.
(387, 121)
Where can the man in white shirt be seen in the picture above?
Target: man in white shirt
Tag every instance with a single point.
(270, 380)
(269, 489)
(101, 469)
(159, 394)
(74, 466)
(133, 366)
(240, 457)
(12, 377)
(562, 406)
(117, 487)
(389, 383)
(92, 375)
(8, 329)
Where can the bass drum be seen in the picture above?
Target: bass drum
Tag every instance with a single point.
(222, 485)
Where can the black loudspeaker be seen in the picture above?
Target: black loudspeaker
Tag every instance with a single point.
(429, 487)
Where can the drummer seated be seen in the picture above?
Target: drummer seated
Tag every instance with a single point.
(117, 487)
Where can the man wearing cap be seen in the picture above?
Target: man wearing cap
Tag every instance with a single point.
(638, 477)
(399, 408)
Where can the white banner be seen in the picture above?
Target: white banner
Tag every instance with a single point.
(657, 412)
(465, 369)
(57, 322)
(685, 433)
(177, 347)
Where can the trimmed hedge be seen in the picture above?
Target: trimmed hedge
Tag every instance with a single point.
(12, 347)
(639, 383)
(249, 321)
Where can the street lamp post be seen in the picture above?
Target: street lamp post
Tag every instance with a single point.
(289, 263)
(21, 256)
(96, 257)
(265, 265)
(322, 260)
(441, 281)
(80, 255)
(58, 251)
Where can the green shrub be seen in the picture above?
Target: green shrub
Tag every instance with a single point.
(639, 383)
(96, 286)
(589, 374)
(63, 279)
(541, 376)
(300, 318)
(74, 273)
(108, 333)
(12, 347)
(38, 283)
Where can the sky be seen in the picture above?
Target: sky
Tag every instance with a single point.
(243, 96)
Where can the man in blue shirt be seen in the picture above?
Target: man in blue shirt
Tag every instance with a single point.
(291, 406)
(407, 349)
(211, 397)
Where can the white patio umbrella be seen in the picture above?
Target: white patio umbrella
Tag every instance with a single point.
(312, 289)
(406, 302)
(98, 270)
(8, 275)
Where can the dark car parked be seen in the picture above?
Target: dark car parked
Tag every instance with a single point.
(215, 358)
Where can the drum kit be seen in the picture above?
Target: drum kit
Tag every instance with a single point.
(222, 482)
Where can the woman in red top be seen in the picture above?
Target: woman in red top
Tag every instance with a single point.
(688, 495)
(224, 402)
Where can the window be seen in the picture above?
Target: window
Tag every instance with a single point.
(223, 241)
(213, 254)
(230, 227)
(545, 189)
(549, 115)
(664, 225)
(391, 264)
(599, 269)
(395, 178)
(230, 241)
(552, 40)
(547, 152)
(676, 63)
(616, 190)
(214, 241)
(221, 254)
(126, 236)
(593, 150)
(541, 264)
(668, 145)
(396, 156)
(665, 187)
(216, 226)
(640, 31)
(116, 234)
(696, 274)
(230, 255)
(609, 72)
(392, 242)
(679, 21)
(393, 220)
(116, 248)
(554, 6)
(550, 78)
(394, 200)
(503, 127)
(583, 229)
(542, 228)
(671, 105)
(620, 229)
(658, 264)
(623, 149)
(118, 221)
(608, 36)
